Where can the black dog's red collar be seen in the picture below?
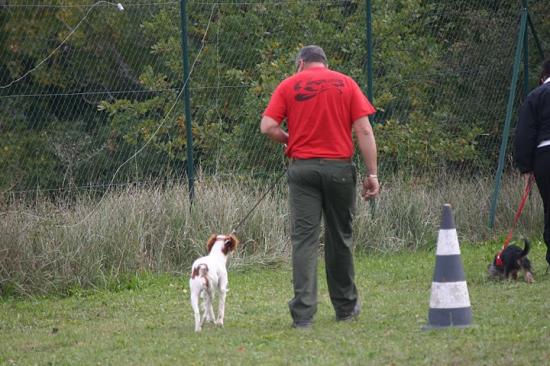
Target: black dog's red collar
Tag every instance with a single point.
(498, 260)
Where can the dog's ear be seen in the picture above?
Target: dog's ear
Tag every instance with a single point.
(210, 242)
(231, 243)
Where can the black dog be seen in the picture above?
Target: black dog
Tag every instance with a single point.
(512, 260)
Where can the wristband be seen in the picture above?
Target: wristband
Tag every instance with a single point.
(372, 176)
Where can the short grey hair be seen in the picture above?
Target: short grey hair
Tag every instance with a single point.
(311, 53)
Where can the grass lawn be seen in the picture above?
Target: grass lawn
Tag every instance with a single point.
(152, 322)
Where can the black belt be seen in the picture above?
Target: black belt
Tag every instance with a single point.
(342, 160)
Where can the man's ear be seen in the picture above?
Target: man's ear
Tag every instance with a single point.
(300, 66)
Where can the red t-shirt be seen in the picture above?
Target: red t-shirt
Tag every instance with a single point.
(320, 106)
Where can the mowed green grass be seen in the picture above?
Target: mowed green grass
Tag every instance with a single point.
(151, 323)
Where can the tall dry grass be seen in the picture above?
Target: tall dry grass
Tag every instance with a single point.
(47, 248)
(408, 213)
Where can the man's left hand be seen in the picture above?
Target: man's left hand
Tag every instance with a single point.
(371, 188)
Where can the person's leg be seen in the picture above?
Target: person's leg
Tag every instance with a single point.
(339, 194)
(305, 217)
(542, 176)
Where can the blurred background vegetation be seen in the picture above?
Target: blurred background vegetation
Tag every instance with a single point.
(90, 96)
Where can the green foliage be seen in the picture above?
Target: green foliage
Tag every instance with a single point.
(441, 74)
(28, 161)
(56, 70)
(424, 144)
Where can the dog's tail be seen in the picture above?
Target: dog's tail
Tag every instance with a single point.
(201, 271)
(526, 248)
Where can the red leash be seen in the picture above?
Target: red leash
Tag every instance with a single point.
(516, 218)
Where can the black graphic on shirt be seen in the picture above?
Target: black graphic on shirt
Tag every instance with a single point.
(311, 88)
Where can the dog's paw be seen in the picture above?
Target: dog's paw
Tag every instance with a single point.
(206, 320)
(529, 277)
(219, 322)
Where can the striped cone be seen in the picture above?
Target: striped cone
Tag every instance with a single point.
(449, 301)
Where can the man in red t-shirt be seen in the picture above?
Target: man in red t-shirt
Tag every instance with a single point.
(321, 108)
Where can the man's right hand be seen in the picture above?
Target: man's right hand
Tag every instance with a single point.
(271, 128)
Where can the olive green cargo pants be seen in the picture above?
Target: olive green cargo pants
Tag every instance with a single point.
(322, 188)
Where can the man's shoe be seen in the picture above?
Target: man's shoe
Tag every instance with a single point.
(351, 316)
(301, 324)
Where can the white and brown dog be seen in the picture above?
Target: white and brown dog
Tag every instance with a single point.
(208, 276)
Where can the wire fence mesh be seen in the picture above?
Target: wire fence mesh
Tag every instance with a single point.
(91, 95)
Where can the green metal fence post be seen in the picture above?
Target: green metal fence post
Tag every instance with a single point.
(187, 99)
(508, 118)
(370, 92)
(535, 36)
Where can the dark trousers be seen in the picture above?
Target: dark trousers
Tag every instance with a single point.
(322, 188)
(542, 177)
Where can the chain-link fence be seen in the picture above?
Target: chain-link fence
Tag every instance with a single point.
(92, 95)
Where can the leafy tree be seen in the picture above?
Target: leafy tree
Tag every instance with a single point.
(106, 106)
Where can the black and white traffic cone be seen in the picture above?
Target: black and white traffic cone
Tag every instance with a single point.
(449, 301)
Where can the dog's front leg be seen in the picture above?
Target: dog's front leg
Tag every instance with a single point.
(221, 304)
(221, 307)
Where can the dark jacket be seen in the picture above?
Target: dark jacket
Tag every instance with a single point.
(533, 127)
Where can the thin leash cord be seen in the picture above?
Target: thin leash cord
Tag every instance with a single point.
(234, 231)
(519, 211)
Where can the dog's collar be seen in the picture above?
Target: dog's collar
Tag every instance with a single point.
(498, 260)
(226, 239)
